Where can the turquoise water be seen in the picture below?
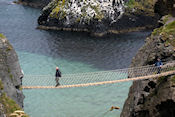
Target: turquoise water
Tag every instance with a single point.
(41, 51)
(43, 65)
(76, 102)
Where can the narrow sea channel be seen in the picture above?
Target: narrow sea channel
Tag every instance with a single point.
(41, 51)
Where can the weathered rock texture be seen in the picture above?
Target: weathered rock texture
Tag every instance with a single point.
(11, 96)
(164, 7)
(154, 98)
(97, 17)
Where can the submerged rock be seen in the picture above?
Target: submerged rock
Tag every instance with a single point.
(11, 96)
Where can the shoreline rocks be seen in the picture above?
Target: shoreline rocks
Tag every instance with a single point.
(148, 27)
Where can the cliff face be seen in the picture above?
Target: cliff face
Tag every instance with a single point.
(98, 17)
(156, 97)
(11, 96)
(164, 7)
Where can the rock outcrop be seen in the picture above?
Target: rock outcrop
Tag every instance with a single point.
(11, 96)
(164, 7)
(156, 97)
(98, 17)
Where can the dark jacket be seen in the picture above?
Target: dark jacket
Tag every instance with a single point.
(58, 73)
(158, 63)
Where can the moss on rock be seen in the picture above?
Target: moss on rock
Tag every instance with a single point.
(169, 28)
(144, 5)
(9, 105)
(2, 36)
(173, 79)
(1, 85)
(167, 31)
(11, 98)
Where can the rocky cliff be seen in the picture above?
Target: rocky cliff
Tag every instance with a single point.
(164, 7)
(11, 96)
(98, 17)
(156, 97)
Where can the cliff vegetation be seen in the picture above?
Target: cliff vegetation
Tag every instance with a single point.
(11, 97)
(154, 97)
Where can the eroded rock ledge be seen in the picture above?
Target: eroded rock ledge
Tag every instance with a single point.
(11, 96)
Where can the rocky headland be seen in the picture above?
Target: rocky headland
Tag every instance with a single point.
(11, 96)
(155, 97)
(98, 17)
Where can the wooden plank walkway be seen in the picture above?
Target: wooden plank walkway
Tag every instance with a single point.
(101, 83)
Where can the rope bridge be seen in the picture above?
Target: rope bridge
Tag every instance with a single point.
(97, 78)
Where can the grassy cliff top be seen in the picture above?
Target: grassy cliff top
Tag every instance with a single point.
(2, 36)
(143, 5)
(167, 31)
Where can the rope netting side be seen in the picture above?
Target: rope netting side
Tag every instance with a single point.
(102, 83)
(93, 77)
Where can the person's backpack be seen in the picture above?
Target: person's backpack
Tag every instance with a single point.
(59, 73)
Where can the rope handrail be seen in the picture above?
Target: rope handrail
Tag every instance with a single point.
(84, 73)
(130, 68)
(97, 77)
(101, 83)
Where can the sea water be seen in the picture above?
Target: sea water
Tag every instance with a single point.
(41, 51)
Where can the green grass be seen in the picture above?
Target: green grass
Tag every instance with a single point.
(173, 79)
(141, 5)
(162, 79)
(8, 70)
(165, 31)
(9, 105)
(11, 76)
(166, 18)
(9, 48)
(20, 88)
(157, 31)
(99, 15)
(170, 28)
(1, 85)
(58, 11)
(2, 36)
(133, 4)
